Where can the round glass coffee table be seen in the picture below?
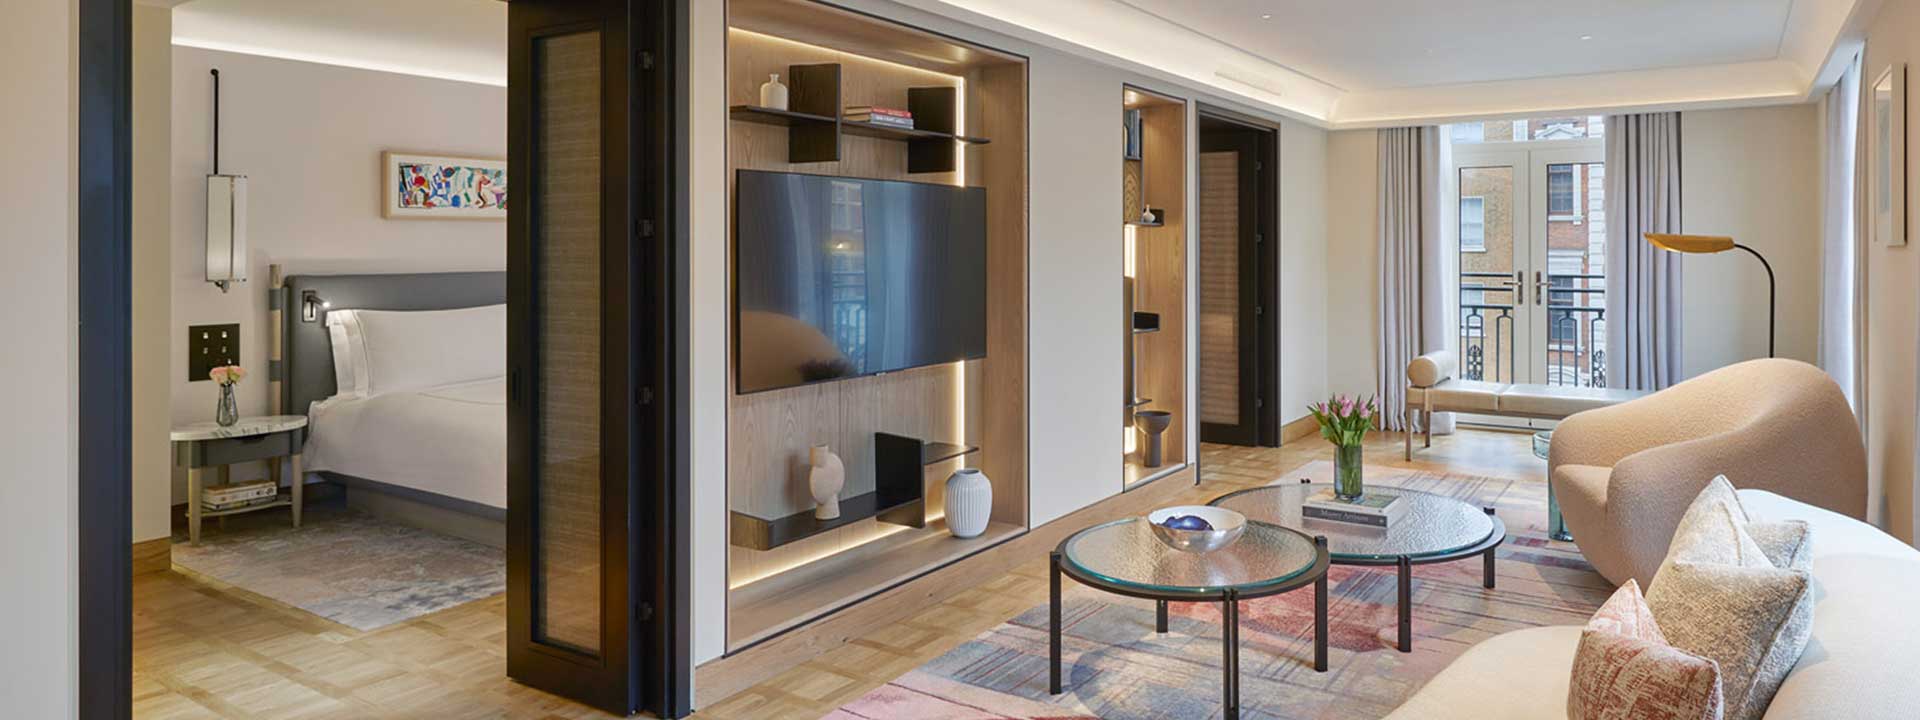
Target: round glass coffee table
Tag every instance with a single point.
(1435, 529)
(1123, 557)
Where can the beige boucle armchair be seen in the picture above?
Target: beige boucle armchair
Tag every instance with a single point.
(1625, 474)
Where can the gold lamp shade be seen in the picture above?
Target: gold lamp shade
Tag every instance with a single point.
(1697, 244)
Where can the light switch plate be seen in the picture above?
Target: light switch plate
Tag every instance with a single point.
(209, 347)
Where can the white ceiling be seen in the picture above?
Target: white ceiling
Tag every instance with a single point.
(1365, 45)
(453, 39)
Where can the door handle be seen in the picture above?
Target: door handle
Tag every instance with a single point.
(1539, 288)
(1519, 285)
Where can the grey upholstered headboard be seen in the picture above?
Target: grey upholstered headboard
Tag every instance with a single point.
(306, 371)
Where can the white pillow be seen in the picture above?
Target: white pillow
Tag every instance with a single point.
(347, 353)
(394, 351)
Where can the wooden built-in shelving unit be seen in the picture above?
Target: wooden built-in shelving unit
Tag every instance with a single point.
(970, 111)
(1155, 177)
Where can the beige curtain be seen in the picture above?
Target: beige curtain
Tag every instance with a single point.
(1840, 246)
(1643, 282)
(1415, 307)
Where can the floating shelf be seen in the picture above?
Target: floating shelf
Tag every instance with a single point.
(759, 533)
(898, 500)
(933, 452)
(814, 126)
(1137, 223)
(1139, 402)
(770, 116)
(889, 132)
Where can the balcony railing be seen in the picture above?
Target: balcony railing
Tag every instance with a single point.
(1575, 342)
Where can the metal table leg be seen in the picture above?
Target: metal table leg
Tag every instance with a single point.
(1160, 616)
(1488, 582)
(1556, 523)
(1053, 626)
(1320, 614)
(1230, 654)
(1406, 604)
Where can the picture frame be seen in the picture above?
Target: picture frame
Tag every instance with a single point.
(1887, 157)
(418, 186)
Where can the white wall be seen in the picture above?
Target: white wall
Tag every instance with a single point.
(1353, 261)
(309, 138)
(1893, 298)
(1754, 174)
(1303, 268)
(151, 270)
(38, 308)
(1075, 267)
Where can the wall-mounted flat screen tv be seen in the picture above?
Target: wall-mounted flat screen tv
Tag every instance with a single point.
(844, 277)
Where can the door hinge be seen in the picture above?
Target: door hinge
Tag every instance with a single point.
(645, 228)
(643, 396)
(1257, 165)
(643, 611)
(1259, 402)
(646, 60)
(1259, 310)
(1259, 238)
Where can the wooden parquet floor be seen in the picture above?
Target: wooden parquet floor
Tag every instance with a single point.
(206, 650)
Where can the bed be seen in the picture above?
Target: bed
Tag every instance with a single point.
(402, 378)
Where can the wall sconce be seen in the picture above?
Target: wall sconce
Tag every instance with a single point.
(226, 214)
(311, 306)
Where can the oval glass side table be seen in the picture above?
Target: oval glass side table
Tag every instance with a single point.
(1123, 557)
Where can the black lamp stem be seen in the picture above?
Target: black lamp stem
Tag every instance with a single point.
(1773, 293)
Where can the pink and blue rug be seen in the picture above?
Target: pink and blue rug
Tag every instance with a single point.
(1116, 667)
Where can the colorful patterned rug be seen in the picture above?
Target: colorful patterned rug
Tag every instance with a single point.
(1115, 666)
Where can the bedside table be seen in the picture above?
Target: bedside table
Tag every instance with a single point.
(203, 446)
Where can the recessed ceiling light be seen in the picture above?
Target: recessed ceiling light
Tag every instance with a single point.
(1266, 17)
(1586, 37)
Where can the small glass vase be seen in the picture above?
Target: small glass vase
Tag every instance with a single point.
(1347, 483)
(229, 411)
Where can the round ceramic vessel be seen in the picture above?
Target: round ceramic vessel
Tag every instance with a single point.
(1227, 526)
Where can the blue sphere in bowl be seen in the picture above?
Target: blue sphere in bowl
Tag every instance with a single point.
(1188, 522)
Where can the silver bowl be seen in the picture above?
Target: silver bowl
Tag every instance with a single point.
(1227, 527)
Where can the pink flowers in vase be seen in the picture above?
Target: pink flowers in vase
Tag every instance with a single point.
(227, 375)
(1344, 421)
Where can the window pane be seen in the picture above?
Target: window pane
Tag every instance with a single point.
(1487, 232)
(1560, 190)
(1473, 224)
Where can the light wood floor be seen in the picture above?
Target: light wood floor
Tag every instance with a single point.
(205, 650)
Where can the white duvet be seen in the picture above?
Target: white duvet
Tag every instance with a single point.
(448, 440)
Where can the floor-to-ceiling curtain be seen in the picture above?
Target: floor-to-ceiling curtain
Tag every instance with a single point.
(1643, 282)
(1839, 243)
(1414, 308)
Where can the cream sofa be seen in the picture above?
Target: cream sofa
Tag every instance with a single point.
(1860, 664)
(1625, 474)
(1432, 387)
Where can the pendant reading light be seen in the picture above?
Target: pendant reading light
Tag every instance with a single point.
(226, 214)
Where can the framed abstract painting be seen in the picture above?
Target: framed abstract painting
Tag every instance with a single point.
(440, 187)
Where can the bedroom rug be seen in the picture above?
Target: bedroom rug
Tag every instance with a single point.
(345, 565)
(1115, 667)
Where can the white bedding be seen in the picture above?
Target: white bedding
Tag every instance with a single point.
(447, 440)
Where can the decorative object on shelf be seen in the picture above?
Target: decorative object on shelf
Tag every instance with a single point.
(443, 188)
(1197, 528)
(969, 502)
(1148, 216)
(1887, 157)
(1344, 422)
(227, 376)
(773, 94)
(890, 117)
(825, 479)
(1153, 423)
(1709, 244)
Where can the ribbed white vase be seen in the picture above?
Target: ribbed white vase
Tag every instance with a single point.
(969, 502)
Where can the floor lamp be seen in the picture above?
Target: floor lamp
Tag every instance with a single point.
(1709, 244)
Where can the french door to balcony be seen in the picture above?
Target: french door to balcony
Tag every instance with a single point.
(1532, 236)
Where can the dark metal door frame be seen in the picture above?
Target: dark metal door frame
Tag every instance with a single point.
(660, 501)
(1258, 146)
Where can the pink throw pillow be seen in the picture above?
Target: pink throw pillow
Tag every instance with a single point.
(1624, 669)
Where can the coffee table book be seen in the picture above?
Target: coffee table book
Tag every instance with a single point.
(1371, 509)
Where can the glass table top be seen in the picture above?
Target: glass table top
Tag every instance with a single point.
(1125, 552)
(1435, 525)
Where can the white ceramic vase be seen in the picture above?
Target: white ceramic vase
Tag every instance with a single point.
(824, 481)
(969, 502)
(773, 94)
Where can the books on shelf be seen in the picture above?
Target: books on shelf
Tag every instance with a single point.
(228, 496)
(890, 117)
(1372, 509)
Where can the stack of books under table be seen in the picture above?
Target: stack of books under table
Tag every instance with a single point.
(235, 495)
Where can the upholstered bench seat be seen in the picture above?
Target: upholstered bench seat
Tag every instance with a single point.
(1431, 388)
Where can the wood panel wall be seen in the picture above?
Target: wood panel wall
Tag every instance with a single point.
(1219, 286)
(1160, 273)
(980, 402)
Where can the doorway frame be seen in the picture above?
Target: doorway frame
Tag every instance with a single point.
(103, 284)
(1266, 295)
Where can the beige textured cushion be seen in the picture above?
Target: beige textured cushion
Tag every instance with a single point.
(1718, 596)
(1561, 400)
(1625, 670)
(1430, 369)
(1464, 395)
(1785, 543)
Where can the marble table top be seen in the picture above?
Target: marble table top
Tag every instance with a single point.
(248, 426)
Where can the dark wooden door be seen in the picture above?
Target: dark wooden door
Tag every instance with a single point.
(1230, 232)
